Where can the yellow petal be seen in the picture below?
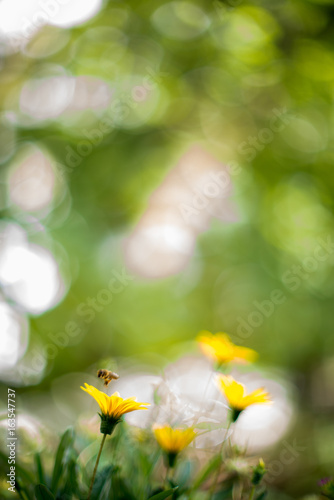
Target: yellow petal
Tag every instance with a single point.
(173, 440)
(236, 396)
(219, 348)
(114, 406)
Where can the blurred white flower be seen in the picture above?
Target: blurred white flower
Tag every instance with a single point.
(32, 180)
(193, 192)
(29, 273)
(13, 337)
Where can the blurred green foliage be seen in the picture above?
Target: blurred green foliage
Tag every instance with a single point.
(131, 469)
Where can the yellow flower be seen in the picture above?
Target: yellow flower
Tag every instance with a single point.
(172, 441)
(219, 348)
(235, 393)
(112, 407)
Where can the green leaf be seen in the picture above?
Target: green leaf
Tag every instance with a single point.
(262, 495)
(207, 471)
(164, 494)
(185, 470)
(39, 468)
(103, 481)
(65, 443)
(70, 486)
(43, 493)
(121, 489)
(23, 491)
(223, 495)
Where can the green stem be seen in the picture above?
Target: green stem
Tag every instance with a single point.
(251, 496)
(214, 484)
(95, 468)
(166, 477)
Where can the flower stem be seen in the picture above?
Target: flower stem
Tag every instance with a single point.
(166, 477)
(214, 484)
(252, 493)
(95, 468)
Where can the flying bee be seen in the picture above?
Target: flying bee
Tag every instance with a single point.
(107, 376)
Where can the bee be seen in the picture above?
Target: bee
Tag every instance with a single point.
(107, 376)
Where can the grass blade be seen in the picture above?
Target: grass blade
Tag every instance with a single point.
(65, 443)
(163, 494)
(43, 493)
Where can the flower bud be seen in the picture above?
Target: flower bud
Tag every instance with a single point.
(258, 472)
